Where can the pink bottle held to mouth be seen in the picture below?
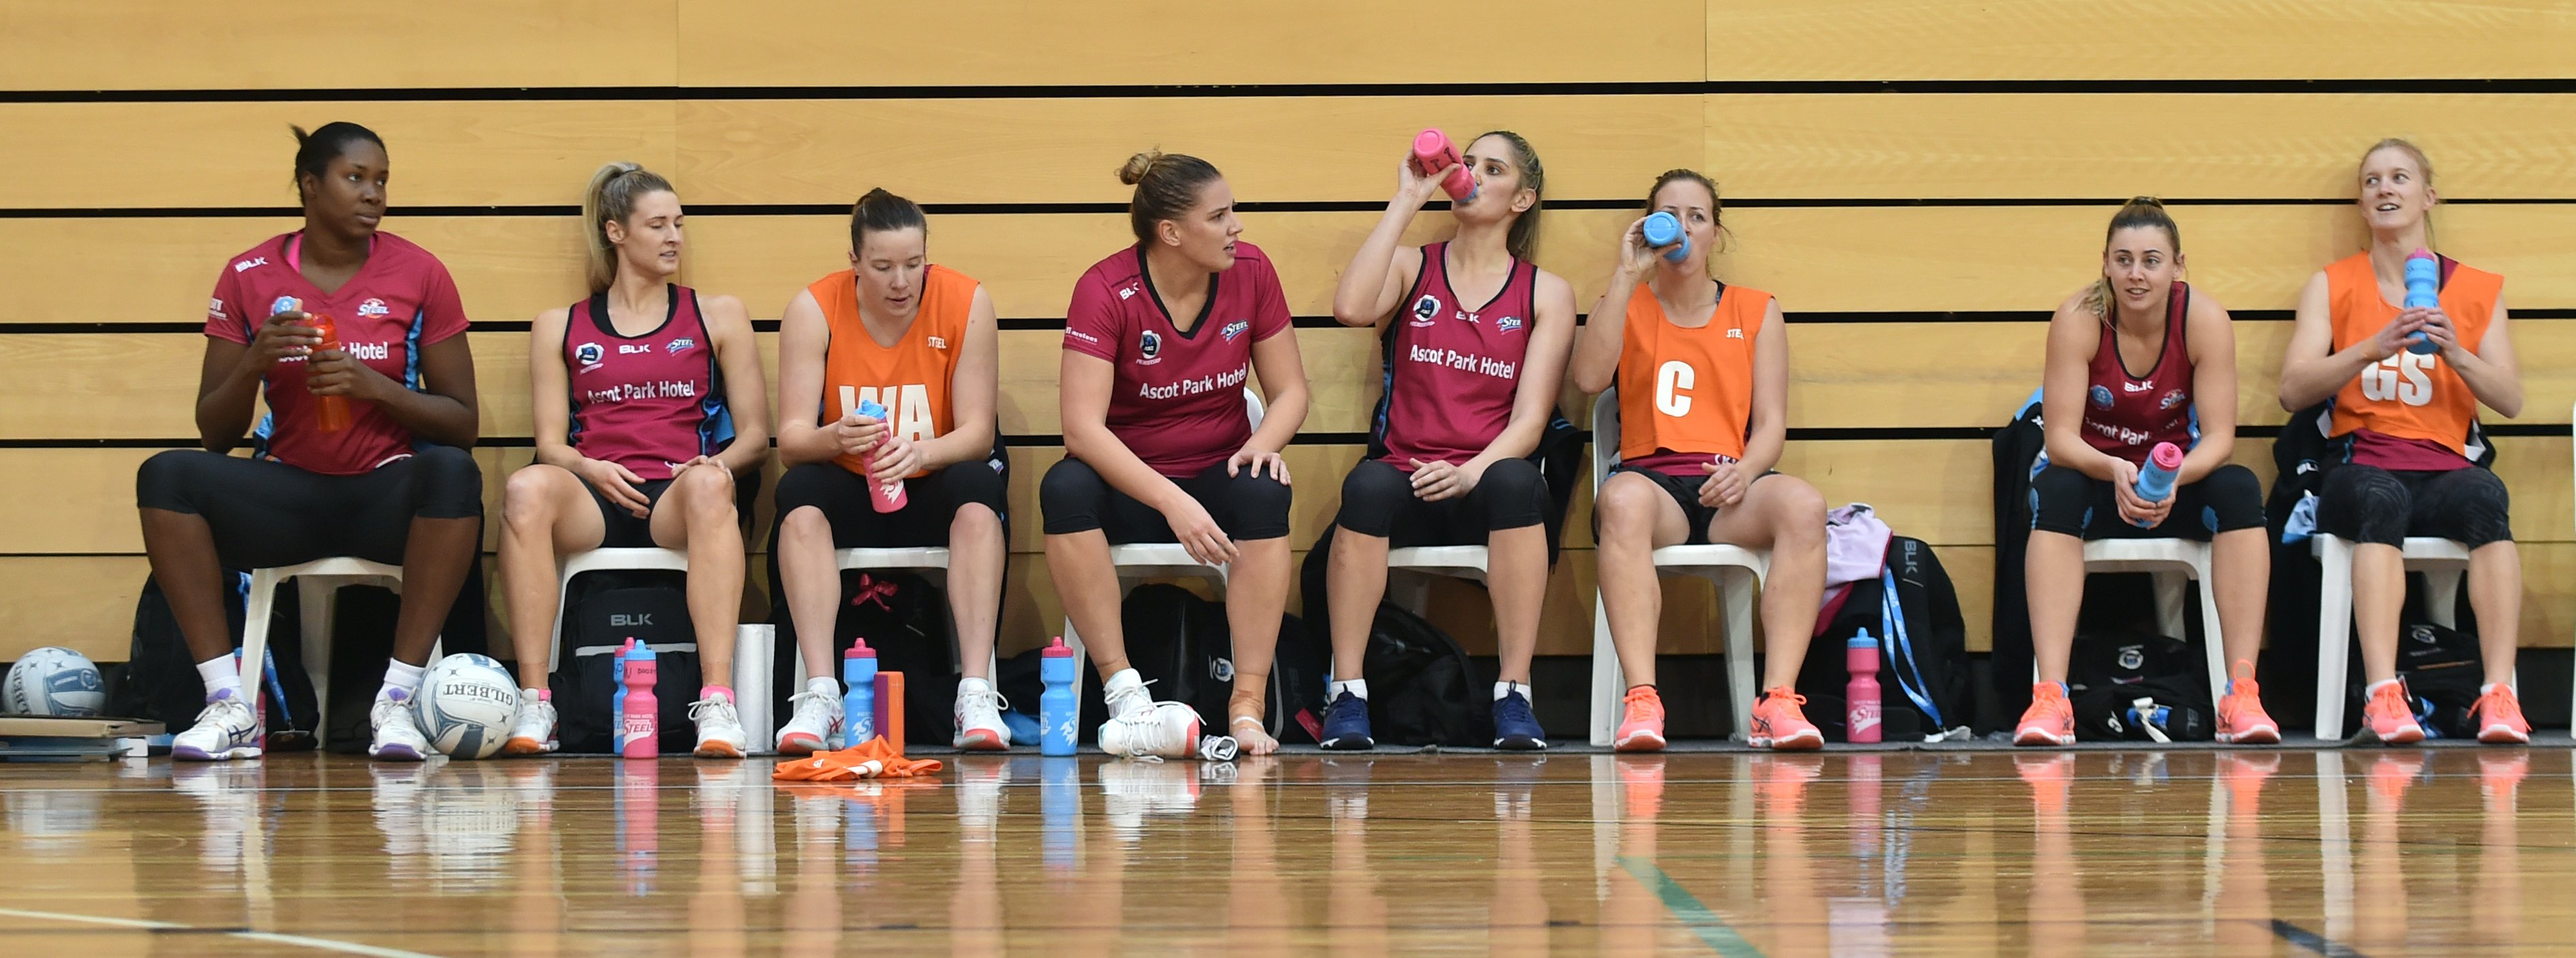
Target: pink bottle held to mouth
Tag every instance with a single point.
(1432, 151)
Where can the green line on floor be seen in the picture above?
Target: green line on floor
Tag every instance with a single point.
(1703, 922)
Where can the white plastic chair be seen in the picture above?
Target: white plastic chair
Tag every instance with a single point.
(2442, 561)
(1138, 562)
(2172, 562)
(1737, 571)
(318, 597)
(753, 644)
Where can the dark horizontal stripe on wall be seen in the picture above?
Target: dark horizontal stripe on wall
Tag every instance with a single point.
(1249, 206)
(2534, 85)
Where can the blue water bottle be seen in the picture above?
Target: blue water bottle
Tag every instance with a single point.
(617, 702)
(858, 695)
(2423, 291)
(1664, 231)
(2156, 476)
(1058, 667)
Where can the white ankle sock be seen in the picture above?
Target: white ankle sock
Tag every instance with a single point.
(1506, 688)
(2483, 690)
(973, 685)
(401, 676)
(2374, 687)
(827, 686)
(1358, 687)
(220, 674)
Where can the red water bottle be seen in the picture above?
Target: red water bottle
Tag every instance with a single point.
(330, 413)
(1861, 656)
(1431, 151)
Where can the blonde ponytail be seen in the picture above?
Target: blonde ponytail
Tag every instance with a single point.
(611, 198)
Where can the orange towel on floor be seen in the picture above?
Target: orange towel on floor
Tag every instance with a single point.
(874, 758)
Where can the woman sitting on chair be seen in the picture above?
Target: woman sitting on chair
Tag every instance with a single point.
(2103, 422)
(1457, 435)
(2406, 382)
(363, 453)
(648, 402)
(919, 342)
(1159, 446)
(1703, 375)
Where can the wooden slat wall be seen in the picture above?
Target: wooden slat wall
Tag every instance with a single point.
(1915, 225)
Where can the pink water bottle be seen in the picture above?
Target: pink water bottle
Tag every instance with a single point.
(885, 497)
(1860, 654)
(1431, 151)
(638, 718)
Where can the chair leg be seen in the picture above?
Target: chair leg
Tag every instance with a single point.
(254, 644)
(2170, 592)
(2334, 634)
(319, 598)
(1739, 592)
(1081, 660)
(1607, 684)
(2442, 596)
(563, 597)
(2214, 639)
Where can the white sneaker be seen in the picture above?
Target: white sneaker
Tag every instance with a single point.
(398, 737)
(1164, 730)
(979, 717)
(533, 733)
(720, 733)
(815, 718)
(227, 729)
(1125, 694)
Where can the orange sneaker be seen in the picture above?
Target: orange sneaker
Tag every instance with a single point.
(2390, 715)
(2049, 720)
(1778, 724)
(1643, 728)
(2241, 719)
(2499, 717)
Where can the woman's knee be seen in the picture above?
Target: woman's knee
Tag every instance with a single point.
(1071, 497)
(1514, 494)
(530, 497)
(446, 483)
(974, 482)
(806, 486)
(707, 493)
(2474, 507)
(1260, 505)
(2364, 504)
(169, 479)
(1797, 511)
(2061, 500)
(2232, 499)
(1625, 508)
(1371, 494)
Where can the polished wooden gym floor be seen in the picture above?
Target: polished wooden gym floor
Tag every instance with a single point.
(2338, 852)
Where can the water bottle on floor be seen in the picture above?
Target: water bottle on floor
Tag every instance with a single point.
(1860, 653)
(1058, 668)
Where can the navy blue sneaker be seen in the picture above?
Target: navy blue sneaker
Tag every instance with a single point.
(1346, 725)
(1515, 729)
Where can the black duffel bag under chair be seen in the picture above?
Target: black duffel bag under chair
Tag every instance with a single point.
(2441, 670)
(605, 609)
(905, 619)
(2139, 687)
